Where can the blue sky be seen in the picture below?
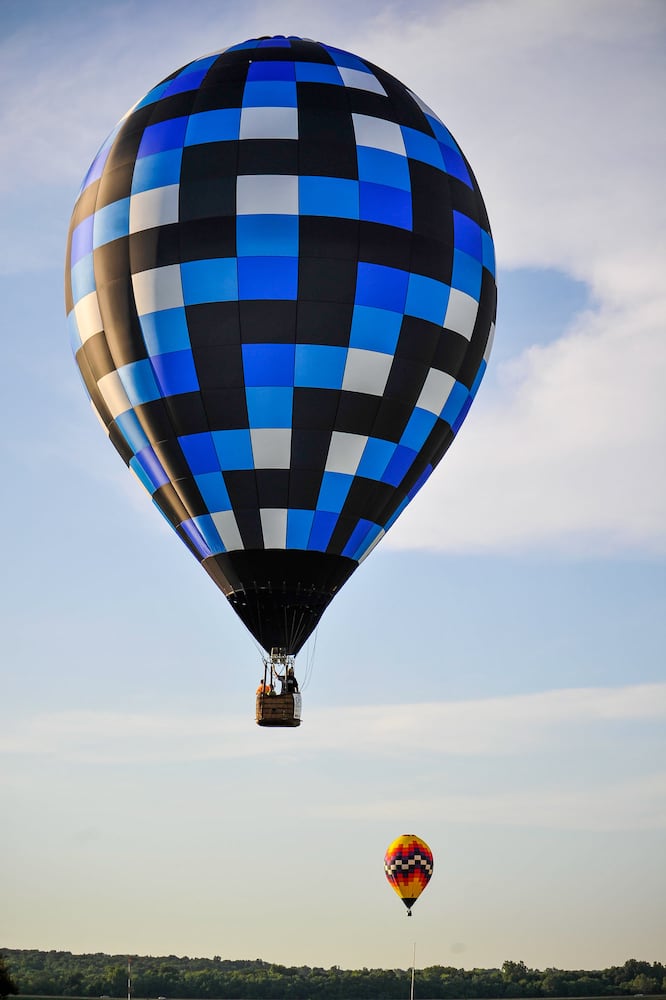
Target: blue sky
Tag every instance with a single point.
(491, 678)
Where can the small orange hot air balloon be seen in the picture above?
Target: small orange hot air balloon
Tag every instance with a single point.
(408, 867)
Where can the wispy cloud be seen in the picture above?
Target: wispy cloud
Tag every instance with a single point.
(495, 726)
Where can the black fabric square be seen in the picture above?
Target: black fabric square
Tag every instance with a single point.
(226, 409)
(466, 200)
(263, 321)
(321, 280)
(213, 324)
(309, 448)
(207, 239)
(98, 356)
(111, 261)
(249, 525)
(208, 198)
(315, 409)
(392, 418)
(406, 380)
(404, 108)
(273, 487)
(172, 459)
(187, 413)
(242, 488)
(189, 494)
(117, 306)
(157, 247)
(209, 160)
(450, 352)
(219, 367)
(432, 256)
(268, 156)
(170, 504)
(367, 102)
(114, 185)
(386, 245)
(118, 439)
(328, 159)
(418, 340)
(366, 496)
(156, 420)
(323, 236)
(329, 325)
(304, 487)
(431, 202)
(357, 413)
(174, 106)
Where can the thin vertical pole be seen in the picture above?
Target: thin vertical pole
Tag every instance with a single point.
(129, 978)
(411, 995)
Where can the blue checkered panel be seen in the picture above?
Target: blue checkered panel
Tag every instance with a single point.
(281, 295)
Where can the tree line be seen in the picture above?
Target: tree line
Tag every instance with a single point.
(61, 973)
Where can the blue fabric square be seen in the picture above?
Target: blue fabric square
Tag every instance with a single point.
(478, 378)
(268, 278)
(269, 406)
(396, 513)
(333, 492)
(317, 73)
(199, 452)
(190, 529)
(267, 235)
(422, 147)
(169, 134)
(464, 410)
(191, 76)
(455, 165)
(213, 280)
(213, 490)
(375, 329)
(388, 205)
(97, 166)
(222, 125)
(268, 364)
(82, 240)
(441, 132)
(467, 235)
(376, 456)
(382, 167)
(488, 252)
(158, 170)
(152, 466)
(176, 373)
(427, 298)
(142, 475)
(418, 428)
(361, 539)
(132, 431)
(299, 525)
(270, 94)
(82, 277)
(455, 402)
(111, 222)
(330, 196)
(209, 533)
(278, 42)
(323, 525)
(138, 380)
(165, 331)
(270, 70)
(153, 95)
(234, 449)
(382, 287)
(399, 465)
(346, 59)
(466, 274)
(319, 367)
(74, 336)
(251, 43)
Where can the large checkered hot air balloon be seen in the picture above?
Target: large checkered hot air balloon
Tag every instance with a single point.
(408, 867)
(281, 297)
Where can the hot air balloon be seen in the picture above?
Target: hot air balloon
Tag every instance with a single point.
(281, 298)
(408, 867)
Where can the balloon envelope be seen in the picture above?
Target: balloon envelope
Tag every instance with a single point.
(280, 291)
(408, 867)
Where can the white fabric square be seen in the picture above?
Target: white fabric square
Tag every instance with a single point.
(359, 80)
(366, 371)
(345, 452)
(88, 317)
(156, 207)
(436, 390)
(227, 529)
(274, 527)
(489, 345)
(461, 313)
(158, 289)
(269, 123)
(378, 134)
(267, 194)
(271, 447)
(113, 393)
(423, 106)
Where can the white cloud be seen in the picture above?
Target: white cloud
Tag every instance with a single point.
(490, 726)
